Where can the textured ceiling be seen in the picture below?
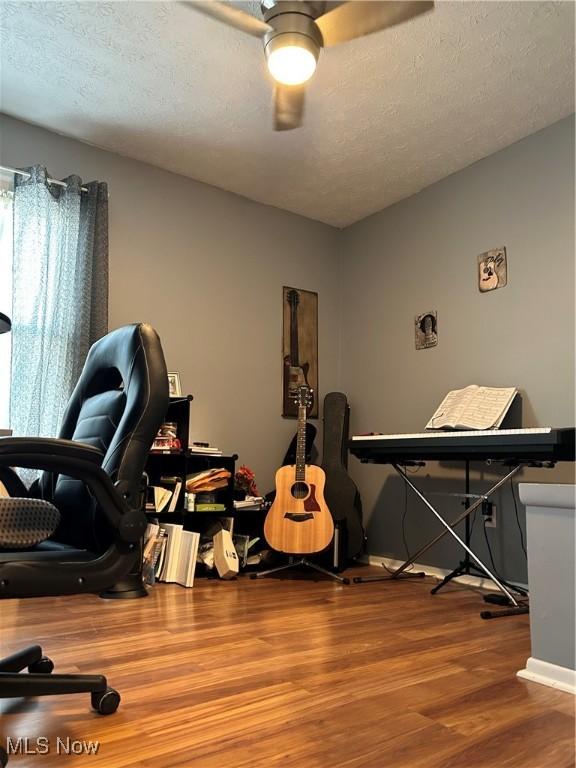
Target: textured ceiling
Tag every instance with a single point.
(386, 115)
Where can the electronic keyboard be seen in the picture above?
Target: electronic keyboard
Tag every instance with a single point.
(509, 445)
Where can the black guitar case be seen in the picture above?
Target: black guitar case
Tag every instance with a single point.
(341, 494)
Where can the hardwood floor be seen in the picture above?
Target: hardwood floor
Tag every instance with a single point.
(289, 672)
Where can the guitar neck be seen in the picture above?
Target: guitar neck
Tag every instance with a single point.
(294, 352)
(301, 444)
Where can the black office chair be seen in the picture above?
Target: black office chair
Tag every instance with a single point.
(88, 498)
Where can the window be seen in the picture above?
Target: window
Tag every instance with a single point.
(5, 295)
(48, 279)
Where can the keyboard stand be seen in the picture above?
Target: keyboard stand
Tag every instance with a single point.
(466, 567)
(449, 528)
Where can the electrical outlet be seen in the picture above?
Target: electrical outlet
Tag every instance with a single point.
(489, 514)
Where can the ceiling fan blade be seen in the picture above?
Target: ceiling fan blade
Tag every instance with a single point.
(346, 21)
(234, 17)
(288, 106)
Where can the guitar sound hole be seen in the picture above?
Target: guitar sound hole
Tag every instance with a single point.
(299, 490)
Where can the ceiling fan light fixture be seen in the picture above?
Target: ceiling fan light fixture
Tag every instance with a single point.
(292, 58)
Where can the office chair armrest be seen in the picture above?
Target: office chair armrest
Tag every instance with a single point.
(67, 457)
(12, 482)
(37, 446)
(28, 574)
(46, 446)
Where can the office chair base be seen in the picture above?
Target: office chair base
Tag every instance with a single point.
(40, 682)
(129, 588)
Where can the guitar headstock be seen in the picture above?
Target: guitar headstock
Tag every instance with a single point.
(293, 298)
(302, 396)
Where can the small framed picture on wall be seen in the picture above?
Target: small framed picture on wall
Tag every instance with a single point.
(174, 386)
(492, 270)
(426, 329)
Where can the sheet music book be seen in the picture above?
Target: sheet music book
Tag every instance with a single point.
(473, 407)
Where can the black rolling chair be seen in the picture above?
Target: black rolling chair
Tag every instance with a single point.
(86, 505)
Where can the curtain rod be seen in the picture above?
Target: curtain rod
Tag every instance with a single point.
(27, 175)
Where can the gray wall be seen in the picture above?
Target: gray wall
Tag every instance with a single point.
(206, 268)
(421, 254)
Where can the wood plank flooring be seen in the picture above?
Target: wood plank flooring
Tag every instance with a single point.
(290, 672)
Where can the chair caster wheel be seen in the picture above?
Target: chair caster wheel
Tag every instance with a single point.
(106, 702)
(43, 666)
(3, 758)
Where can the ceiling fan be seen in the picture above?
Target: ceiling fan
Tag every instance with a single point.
(294, 31)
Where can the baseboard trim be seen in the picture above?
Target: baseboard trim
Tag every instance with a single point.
(438, 573)
(552, 675)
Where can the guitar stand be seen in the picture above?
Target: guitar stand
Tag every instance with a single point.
(295, 561)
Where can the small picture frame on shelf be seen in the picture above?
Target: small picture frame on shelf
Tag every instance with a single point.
(174, 386)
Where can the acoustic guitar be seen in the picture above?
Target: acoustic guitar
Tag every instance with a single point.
(299, 521)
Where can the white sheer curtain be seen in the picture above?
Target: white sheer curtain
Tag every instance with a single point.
(59, 294)
(5, 296)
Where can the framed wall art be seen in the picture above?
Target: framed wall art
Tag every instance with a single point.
(426, 329)
(492, 270)
(299, 348)
(174, 386)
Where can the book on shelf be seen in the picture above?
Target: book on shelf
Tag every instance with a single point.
(175, 495)
(208, 502)
(209, 507)
(250, 502)
(473, 407)
(162, 499)
(200, 447)
(157, 498)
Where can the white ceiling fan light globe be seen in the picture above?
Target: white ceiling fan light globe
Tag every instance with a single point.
(292, 58)
(291, 65)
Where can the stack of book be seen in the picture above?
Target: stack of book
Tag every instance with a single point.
(207, 502)
(206, 448)
(160, 498)
(250, 502)
(170, 554)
